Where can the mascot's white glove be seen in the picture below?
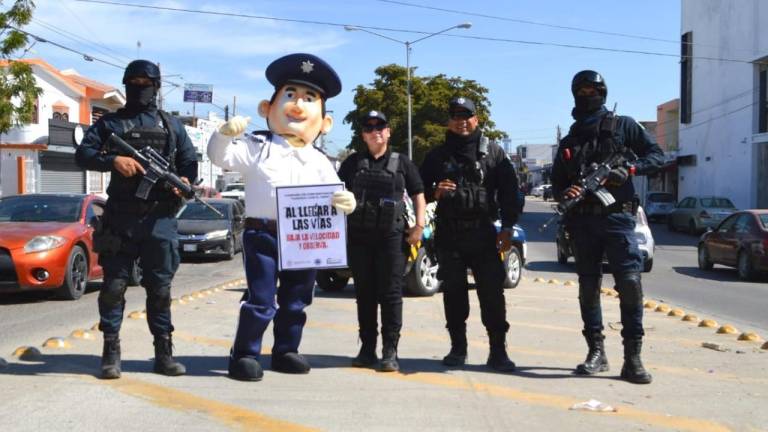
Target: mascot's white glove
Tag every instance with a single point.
(235, 126)
(344, 201)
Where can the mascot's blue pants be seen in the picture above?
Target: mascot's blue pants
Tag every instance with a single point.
(259, 306)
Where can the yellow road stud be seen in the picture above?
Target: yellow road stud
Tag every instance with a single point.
(708, 323)
(137, 315)
(676, 313)
(569, 283)
(57, 342)
(553, 281)
(662, 308)
(727, 329)
(691, 318)
(538, 279)
(82, 334)
(27, 353)
(750, 337)
(650, 304)
(187, 298)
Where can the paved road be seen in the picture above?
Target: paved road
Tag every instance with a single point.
(675, 277)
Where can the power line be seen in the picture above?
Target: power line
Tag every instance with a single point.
(71, 36)
(492, 39)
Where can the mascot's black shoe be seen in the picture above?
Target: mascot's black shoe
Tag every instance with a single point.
(245, 369)
(293, 363)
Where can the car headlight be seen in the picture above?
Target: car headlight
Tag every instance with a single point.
(641, 239)
(43, 243)
(215, 235)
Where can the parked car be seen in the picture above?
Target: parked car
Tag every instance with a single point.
(46, 243)
(538, 191)
(234, 191)
(658, 205)
(645, 242)
(514, 259)
(696, 214)
(203, 233)
(740, 241)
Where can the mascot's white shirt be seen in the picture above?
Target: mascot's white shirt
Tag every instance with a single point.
(266, 163)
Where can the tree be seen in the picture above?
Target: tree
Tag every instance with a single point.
(430, 97)
(18, 92)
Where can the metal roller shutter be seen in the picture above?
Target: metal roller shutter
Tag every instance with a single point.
(59, 173)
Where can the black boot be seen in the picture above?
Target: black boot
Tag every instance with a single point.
(164, 362)
(245, 369)
(458, 354)
(596, 360)
(110, 356)
(367, 355)
(389, 354)
(498, 358)
(291, 362)
(633, 370)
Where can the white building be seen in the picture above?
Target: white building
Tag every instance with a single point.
(39, 157)
(724, 101)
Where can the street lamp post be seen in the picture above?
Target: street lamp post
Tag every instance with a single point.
(408, 44)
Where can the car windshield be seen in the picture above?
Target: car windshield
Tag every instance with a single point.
(716, 203)
(661, 197)
(40, 208)
(764, 220)
(197, 211)
(234, 187)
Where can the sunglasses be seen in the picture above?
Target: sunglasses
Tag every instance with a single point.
(377, 126)
(463, 115)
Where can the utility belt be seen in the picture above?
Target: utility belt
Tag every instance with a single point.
(378, 215)
(145, 207)
(597, 209)
(268, 225)
(459, 225)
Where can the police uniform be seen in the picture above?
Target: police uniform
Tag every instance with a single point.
(139, 229)
(465, 235)
(599, 231)
(377, 246)
(267, 160)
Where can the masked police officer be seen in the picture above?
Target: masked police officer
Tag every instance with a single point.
(597, 230)
(473, 182)
(377, 238)
(134, 228)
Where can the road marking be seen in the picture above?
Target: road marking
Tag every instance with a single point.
(230, 415)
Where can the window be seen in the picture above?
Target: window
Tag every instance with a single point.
(727, 224)
(686, 77)
(743, 224)
(60, 111)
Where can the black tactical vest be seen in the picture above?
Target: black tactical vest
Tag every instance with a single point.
(470, 200)
(378, 203)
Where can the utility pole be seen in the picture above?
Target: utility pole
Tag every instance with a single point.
(226, 112)
(160, 92)
(234, 106)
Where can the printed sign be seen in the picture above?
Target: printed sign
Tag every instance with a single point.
(311, 233)
(200, 93)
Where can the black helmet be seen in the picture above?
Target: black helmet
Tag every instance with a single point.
(141, 68)
(592, 78)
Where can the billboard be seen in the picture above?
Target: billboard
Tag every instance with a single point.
(200, 93)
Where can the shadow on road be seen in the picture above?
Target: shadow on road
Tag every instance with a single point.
(550, 266)
(29, 297)
(719, 274)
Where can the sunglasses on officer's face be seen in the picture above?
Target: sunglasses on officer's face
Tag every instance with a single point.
(461, 115)
(371, 127)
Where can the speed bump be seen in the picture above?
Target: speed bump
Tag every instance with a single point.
(82, 334)
(727, 329)
(27, 353)
(708, 323)
(538, 279)
(750, 337)
(662, 308)
(569, 283)
(553, 281)
(137, 315)
(57, 342)
(691, 318)
(676, 313)
(650, 304)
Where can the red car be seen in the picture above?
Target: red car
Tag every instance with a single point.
(46, 243)
(740, 241)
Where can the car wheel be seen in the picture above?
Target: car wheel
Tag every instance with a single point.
(692, 227)
(422, 279)
(76, 277)
(648, 265)
(513, 266)
(744, 267)
(704, 262)
(230, 254)
(562, 256)
(331, 281)
(135, 278)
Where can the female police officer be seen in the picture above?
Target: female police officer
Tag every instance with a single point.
(377, 253)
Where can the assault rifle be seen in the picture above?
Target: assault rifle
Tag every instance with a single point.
(592, 182)
(157, 168)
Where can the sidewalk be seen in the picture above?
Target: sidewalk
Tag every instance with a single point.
(694, 388)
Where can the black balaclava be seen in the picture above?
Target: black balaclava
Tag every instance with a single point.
(589, 104)
(464, 147)
(141, 98)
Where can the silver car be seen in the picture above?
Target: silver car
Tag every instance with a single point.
(696, 214)
(659, 204)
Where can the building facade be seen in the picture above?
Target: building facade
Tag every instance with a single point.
(723, 138)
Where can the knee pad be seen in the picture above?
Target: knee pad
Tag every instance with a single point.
(589, 290)
(159, 297)
(113, 291)
(630, 288)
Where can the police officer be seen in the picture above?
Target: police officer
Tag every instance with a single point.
(595, 229)
(378, 240)
(473, 182)
(133, 228)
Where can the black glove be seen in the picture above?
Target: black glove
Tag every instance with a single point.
(617, 177)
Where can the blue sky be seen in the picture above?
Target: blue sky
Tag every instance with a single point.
(529, 85)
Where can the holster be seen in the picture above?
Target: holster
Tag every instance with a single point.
(105, 241)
